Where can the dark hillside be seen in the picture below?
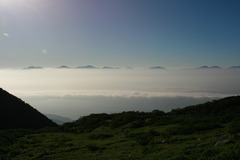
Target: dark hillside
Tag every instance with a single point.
(15, 113)
(217, 111)
(223, 107)
(134, 119)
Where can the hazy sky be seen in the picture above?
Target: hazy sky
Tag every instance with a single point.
(138, 33)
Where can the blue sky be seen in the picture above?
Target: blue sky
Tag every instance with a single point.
(121, 33)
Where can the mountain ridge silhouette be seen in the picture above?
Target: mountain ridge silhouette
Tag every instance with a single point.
(15, 114)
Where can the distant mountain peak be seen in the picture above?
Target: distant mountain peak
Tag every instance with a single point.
(15, 113)
(157, 67)
(33, 67)
(58, 119)
(87, 67)
(107, 67)
(234, 67)
(209, 67)
(63, 67)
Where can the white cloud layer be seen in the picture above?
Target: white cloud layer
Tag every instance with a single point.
(114, 85)
(123, 94)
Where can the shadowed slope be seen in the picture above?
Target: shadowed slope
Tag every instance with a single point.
(222, 107)
(15, 113)
(227, 109)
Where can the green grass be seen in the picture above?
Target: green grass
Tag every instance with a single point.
(150, 142)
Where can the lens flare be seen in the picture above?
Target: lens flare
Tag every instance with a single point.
(5, 34)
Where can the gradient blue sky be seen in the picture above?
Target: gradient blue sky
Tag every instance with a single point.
(138, 33)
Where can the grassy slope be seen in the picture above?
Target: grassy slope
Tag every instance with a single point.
(150, 136)
(149, 142)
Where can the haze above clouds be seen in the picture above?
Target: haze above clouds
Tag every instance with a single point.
(75, 92)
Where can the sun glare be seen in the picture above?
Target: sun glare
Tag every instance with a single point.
(7, 2)
(22, 5)
(13, 4)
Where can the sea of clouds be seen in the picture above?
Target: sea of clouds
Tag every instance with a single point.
(78, 92)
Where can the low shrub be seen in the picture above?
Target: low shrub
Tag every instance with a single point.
(93, 147)
(234, 127)
(99, 136)
(144, 138)
(191, 129)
